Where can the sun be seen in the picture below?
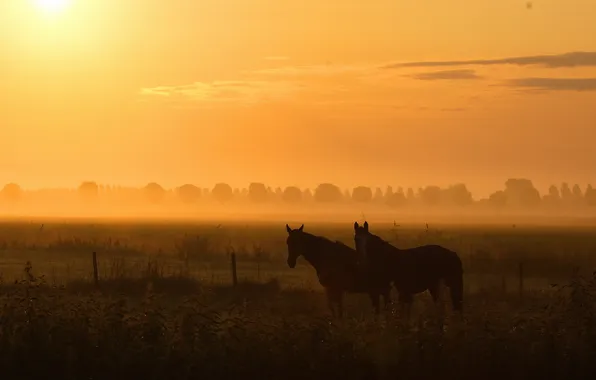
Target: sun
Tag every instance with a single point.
(52, 6)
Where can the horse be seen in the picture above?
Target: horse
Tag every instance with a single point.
(412, 270)
(337, 269)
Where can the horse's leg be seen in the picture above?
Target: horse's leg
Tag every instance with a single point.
(340, 304)
(374, 297)
(435, 290)
(330, 299)
(406, 299)
(387, 299)
(456, 289)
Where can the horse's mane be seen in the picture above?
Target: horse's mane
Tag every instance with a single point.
(322, 239)
(383, 242)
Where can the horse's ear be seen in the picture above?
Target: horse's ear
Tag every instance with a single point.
(301, 228)
(366, 226)
(288, 229)
(355, 225)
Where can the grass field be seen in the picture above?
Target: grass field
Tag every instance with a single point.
(165, 308)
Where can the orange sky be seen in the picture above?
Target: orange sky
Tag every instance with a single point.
(297, 92)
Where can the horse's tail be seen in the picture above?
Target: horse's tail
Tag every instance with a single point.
(455, 281)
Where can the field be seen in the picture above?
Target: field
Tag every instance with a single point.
(165, 307)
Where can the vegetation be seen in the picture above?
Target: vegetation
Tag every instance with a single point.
(518, 195)
(164, 306)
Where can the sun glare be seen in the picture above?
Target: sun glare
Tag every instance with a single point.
(52, 6)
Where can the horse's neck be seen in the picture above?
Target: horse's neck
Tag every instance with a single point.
(385, 248)
(314, 258)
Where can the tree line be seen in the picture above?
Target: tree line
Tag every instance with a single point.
(516, 193)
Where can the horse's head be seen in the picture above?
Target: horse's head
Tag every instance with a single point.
(361, 238)
(296, 244)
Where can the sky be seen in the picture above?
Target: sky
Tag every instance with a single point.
(299, 92)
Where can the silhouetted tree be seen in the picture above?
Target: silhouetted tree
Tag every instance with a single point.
(278, 193)
(566, 194)
(292, 194)
(498, 199)
(12, 192)
(258, 193)
(307, 195)
(553, 197)
(362, 194)
(577, 193)
(188, 193)
(521, 192)
(430, 195)
(396, 199)
(154, 193)
(410, 194)
(378, 197)
(388, 193)
(458, 194)
(222, 192)
(327, 192)
(590, 196)
(88, 190)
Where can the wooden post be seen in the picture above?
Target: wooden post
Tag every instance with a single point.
(234, 275)
(95, 274)
(521, 280)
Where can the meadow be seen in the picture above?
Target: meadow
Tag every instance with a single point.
(164, 305)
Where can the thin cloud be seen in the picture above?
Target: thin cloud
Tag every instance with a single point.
(572, 59)
(224, 91)
(313, 70)
(554, 84)
(277, 58)
(447, 75)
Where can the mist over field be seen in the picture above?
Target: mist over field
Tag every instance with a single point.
(518, 202)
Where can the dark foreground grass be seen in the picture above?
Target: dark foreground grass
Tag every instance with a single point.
(262, 331)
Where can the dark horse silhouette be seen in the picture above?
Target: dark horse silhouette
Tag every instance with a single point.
(412, 270)
(337, 269)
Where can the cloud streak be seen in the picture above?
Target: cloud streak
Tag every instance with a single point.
(554, 84)
(572, 59)
(224, 91)
(446, 75)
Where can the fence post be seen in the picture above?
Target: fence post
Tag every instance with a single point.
(234, 275)
(521, 280)
(95, 274)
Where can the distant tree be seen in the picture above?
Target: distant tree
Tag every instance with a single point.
(410, 194)
(188, 193)
(553, 191)
(378, 197)
(362, 194)
(292, 194)
(498, 199)
(88, 191)
(430, 195)
(222, 192)
(154, 193)
(458, 195)
(577, 192)
(327, 193)
(396, 199)
(307, 195)
(12, 192)
(521, 192)
(566, 194)
(388, 193)
(590, 196)
(258, 193)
